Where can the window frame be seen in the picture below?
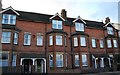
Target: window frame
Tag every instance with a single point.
(83, 38)
(110, 31)
(85, 59)
(115, 44)
(51, 40)
(2, 61)
(56, 24)
(39, 40)
(79, 26)
(109, 43)
(28, 39)
(94, 43)
(101, 42)
(59, 40)
(59, 60)
(16, 38)
(11, 19)
(4, 37)
(75, 41)
(77, 60)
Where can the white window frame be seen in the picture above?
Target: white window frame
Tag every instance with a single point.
(50, 40)
(84, 60)
(109, 43)
(115, 43)
(83, 41)
(110, 30)
(101, 43)
(75, 41)
(79, 26)
(56, 24)
(9, 19)
(15, 38)
(59, 60)
(58, 39)
(77, 62)
(39, 40)
(6, 37)
(27, 41)
(94, 45)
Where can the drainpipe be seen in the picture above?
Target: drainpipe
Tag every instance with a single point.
(72, 61)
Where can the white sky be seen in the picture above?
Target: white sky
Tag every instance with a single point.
(90, 10)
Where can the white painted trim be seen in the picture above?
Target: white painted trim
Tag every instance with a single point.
(80, 19)
(10, 8)
(58, 16)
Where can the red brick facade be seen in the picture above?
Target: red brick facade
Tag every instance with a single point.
(67, 48)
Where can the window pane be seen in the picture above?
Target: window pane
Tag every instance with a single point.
(93, 43)
(56, 24)
(59, 60)
(79, 26)
(6, 37)
(58, 40)
(115, 43)
(76, 60)
(109, 43)
(75, 41)
(110, 30)
(27, 39)
(101, 43)
(9, 19)
(15, 38)
(50, 40)
(83, 41)
(84, 60)
(4, 60)
(39, 40)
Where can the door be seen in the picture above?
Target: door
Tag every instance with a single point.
(27, 65)
(39, 66)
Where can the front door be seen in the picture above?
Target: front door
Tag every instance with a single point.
(39, 65)
(27, 65)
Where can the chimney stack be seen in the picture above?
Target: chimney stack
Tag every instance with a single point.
(64, 14)
(107, 20)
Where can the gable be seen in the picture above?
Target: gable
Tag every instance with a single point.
(57, 16)
(79, 19)
(9, 10)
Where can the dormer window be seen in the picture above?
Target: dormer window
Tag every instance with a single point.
(56, 24)
(79, 26)
(9, 19)
(110, 30)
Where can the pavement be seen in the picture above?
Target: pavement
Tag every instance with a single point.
(105, 73)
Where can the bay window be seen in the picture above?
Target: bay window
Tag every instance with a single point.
(50, 40)
(101, 43)
(51, 60)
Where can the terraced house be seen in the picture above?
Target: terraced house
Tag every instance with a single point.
(41, 43)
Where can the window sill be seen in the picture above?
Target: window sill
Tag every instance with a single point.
(26, 45)
(5, 43)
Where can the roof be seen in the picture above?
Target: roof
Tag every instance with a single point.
(38, 17)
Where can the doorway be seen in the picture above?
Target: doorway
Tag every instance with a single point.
(27, 63)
